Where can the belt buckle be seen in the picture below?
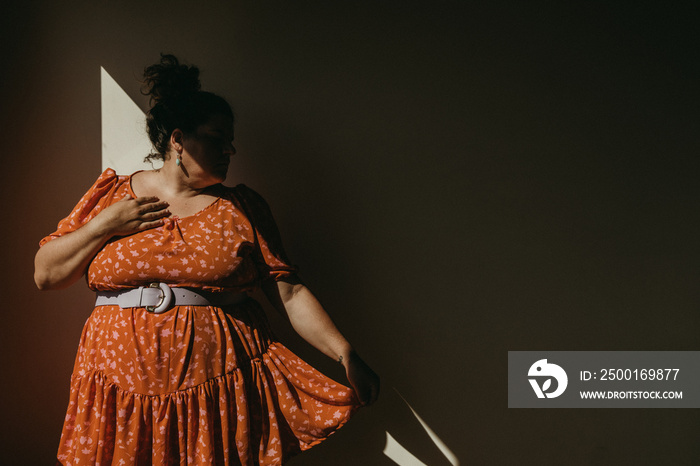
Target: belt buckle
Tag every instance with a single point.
(165, 300)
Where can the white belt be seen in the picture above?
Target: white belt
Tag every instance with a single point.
(159, 297)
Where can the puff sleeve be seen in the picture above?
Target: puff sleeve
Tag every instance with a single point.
(271, 259)
(99, 196)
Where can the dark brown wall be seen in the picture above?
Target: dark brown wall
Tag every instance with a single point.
(455, 181)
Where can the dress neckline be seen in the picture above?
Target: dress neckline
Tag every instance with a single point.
(174, 217)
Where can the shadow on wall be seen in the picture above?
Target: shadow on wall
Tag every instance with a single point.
(124, 141)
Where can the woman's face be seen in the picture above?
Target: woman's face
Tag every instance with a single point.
(209, 149)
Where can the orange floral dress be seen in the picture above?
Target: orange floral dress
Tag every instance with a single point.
(195, 384)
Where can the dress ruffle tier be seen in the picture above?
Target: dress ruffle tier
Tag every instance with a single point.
(255, 403)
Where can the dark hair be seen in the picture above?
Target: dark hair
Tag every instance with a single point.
(176, 102)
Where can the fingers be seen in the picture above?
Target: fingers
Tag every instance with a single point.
(152, 216)
(366, 388)
(153, 224)
(148, 203)
(146, 212)
(364, 399)
(153, 207)
(153, 210)
(364, 381)
(370, 394)
(146, 200)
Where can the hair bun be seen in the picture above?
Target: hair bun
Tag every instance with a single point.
(177, 102)
(169, 81)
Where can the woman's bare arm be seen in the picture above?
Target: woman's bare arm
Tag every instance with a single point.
(62, 261)
(308, 318)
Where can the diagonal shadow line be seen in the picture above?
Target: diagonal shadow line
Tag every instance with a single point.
(403, 457)
(398, 454)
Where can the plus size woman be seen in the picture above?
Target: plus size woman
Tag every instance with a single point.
(177, 364)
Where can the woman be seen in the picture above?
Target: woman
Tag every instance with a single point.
(176, 364)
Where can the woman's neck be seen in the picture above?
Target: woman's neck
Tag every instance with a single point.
(174, 181)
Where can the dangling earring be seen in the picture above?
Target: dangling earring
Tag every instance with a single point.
(177, 160)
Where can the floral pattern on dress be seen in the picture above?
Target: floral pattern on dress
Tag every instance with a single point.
(196, 384)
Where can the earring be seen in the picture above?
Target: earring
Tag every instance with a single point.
(177, 160)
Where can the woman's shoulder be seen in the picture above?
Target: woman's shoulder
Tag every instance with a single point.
(107, 182)
(110, 177)
(245, 197)
(242, 192)
(108, 188)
